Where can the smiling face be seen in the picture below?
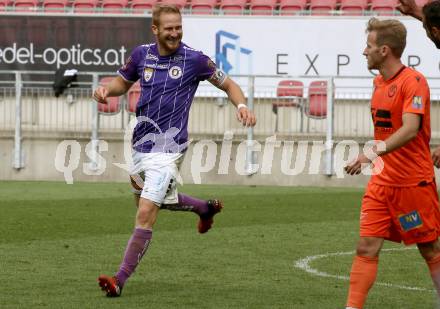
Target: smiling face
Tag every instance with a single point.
(168, 33)
(373, 52)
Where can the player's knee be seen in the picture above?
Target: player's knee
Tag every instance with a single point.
(146, 214)
(429, 250)
(367, 248)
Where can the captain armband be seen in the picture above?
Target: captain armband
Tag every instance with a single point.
(218, 77)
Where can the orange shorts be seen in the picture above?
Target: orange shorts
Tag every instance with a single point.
(408, 214)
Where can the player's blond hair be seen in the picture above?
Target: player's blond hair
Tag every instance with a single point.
(390, 32)
(159, 9)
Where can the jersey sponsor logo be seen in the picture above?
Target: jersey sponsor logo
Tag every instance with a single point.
(157, 66)
(410, 221)
(148, 73)
(417, 102)
(392, 91)
(152, 57)
(175, 72)
(382, 119)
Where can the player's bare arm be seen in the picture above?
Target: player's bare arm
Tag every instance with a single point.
(236, 96)
(407, 132)
(118, 86)
(410, 7)
(436, 157)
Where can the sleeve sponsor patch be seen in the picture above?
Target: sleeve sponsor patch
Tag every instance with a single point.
(417, 102)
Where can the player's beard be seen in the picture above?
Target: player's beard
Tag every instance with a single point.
(169, 43)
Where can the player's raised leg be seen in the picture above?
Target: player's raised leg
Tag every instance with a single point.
(206, 209)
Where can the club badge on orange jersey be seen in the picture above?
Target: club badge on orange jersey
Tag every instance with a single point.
(417, 102)
(392, 91)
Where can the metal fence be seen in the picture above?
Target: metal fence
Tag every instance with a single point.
(321, 108)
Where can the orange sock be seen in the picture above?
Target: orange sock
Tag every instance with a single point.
(434, 268)
(362, 277)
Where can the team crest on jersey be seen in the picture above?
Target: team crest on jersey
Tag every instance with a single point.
(417, 102)
(175, 72)
(392, 91)
(148, 73)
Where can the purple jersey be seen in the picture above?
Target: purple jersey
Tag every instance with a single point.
(168, 85)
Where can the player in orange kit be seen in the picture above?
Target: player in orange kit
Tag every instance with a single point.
(400, 202)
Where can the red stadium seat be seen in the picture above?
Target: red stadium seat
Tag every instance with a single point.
(262, 7)
(317, 104)
(203, 6)
(384, 7)
(56, 6)
(289, 91)
(353, 7)
(180, 3)
(140, 6)
(4, 4)
(114, 6)
(291, 7)
(84, 6)
(133, 97)
(113, 105)
(322, 7)
(232, 7)
(25, 5)
(289, 94)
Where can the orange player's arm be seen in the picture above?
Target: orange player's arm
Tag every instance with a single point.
(407, 132)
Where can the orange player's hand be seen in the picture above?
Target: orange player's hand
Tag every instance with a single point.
(246, 117)
(100, 94)
(436, 157)
(355, 167)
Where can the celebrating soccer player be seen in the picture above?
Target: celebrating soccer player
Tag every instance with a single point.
(401, 202)
(169, 72)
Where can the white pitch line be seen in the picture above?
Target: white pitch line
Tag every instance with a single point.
(304, 264)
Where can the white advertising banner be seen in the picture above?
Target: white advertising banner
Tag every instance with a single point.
(303, 46)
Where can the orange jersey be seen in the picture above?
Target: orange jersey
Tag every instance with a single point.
(406, 92)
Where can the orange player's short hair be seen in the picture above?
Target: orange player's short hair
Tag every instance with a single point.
(390, 32)
(159, 9)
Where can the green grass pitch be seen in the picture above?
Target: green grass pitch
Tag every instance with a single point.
(56, 239)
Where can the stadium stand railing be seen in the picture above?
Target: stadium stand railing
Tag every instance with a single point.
(301, 112)
(327, 111)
